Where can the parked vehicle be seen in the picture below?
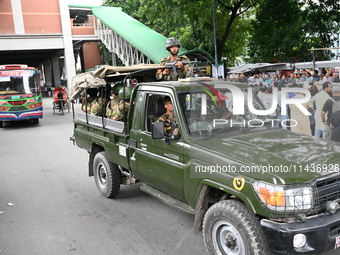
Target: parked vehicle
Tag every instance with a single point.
(253, 188)
(20, 94)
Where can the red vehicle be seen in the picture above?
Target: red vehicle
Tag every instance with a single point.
(20, 94)
(60, 100)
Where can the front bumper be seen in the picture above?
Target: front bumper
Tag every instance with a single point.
(322, 232)
(26, 115)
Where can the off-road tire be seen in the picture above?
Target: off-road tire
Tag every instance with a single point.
(230, 229)
(106, 175)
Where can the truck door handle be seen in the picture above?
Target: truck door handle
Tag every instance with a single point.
(143, 146)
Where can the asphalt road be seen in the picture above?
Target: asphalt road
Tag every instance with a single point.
(49, 205)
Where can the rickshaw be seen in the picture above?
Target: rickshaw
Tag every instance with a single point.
(60, 100)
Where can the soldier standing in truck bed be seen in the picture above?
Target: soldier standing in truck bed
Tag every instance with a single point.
(172, 45)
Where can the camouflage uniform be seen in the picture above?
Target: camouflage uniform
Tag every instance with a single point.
(115, 109)
(96, 106)
(171, 77)
(166, 119)
(87, 104)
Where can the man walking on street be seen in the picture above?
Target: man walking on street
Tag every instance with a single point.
(332, 109)
(320, 99)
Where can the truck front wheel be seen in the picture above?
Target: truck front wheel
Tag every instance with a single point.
(106, 175)
(230, 229)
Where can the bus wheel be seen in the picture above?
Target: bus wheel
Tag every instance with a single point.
(35, 121)
(230, 228)
(106, 175)
(1, 124)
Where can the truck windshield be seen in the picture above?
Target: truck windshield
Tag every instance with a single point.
(206, 113)
(18, 82)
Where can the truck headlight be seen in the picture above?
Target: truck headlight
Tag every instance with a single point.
(285, 198)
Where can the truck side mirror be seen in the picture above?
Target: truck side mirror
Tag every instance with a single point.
(157, 130)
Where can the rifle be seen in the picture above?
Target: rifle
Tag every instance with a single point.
(173, 66)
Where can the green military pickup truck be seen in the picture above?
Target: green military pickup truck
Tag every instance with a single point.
(253, 188)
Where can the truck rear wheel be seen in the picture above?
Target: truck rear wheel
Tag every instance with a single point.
(230, 229)
(106, 175)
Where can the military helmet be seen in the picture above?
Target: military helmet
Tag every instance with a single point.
(171, 42)
(116, 88)
(127, 95)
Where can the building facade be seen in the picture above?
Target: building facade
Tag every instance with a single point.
(39, 33)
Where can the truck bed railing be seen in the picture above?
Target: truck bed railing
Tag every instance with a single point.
(114, 125)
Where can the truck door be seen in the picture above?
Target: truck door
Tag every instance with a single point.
(157, 164)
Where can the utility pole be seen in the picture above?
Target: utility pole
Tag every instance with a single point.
(214, 29)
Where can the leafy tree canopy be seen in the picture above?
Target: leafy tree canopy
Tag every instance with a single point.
(192, 22)
(266, 30)
(285, 30)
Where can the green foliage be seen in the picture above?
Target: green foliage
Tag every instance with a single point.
(285, 30)
(266, 30)
(277, 31)
(322, 20)
(130, 7)
(192, 23)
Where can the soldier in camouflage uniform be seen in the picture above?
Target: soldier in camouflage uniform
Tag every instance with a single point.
(166, 118)
(172, 45)
(88, 101)
(119, 106)
(97, 104)
(114, 101)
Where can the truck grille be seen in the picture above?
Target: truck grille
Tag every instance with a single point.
(326, 190)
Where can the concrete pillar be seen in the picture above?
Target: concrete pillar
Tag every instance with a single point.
(48, 72)
(56, 71)
(17, 17)
(69, 64)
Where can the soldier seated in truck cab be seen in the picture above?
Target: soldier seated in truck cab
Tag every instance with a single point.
(89, 99)
(167, 118)
(117, 108)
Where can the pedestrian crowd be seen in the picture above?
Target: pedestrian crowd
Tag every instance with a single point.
(288, 78)
(324, 105)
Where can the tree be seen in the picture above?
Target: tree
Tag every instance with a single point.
(285, 30)
(130, 7)
(277, 31)
(191, 22)
(321, 26)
